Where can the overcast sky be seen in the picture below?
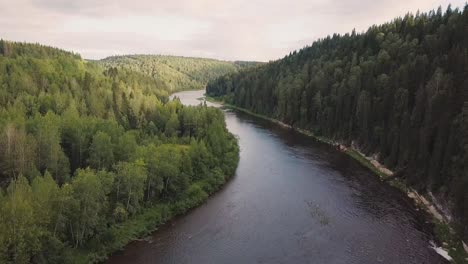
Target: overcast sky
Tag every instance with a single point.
(224, 29)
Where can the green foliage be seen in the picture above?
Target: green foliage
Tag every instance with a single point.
(176, 73)
(92, 157)
(130, 184)
(101, 151)
(88, 206)
(397, 90)
(21, 236)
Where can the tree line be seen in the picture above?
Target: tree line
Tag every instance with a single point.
(93, 156)
(397, 91)
(177, 73)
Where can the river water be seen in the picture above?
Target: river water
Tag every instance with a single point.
(292, 200)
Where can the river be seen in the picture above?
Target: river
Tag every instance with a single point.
(292, 200)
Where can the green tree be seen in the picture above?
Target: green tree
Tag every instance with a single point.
(89, 205)
(130, 184)
(22, 237)
(101, 155)
(172, 126)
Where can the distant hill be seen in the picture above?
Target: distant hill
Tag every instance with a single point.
(178, 73)
(33, 50)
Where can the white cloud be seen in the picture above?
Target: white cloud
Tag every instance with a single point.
(236, 29)
(160, 27)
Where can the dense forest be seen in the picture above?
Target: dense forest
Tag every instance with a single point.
(398, 92)
(176, 73)
(92, 157)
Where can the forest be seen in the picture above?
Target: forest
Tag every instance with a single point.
(397, 92)
(177, 73)
(93, 156)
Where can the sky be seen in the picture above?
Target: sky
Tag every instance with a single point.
(260, 30)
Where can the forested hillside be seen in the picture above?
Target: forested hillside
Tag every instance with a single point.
(176, 73)
(92, 157)
(398, 91)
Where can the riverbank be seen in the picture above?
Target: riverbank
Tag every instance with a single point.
(447, 239)
(119, 235)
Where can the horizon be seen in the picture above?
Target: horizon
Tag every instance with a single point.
(94, 35)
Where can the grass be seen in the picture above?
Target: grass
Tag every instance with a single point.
(444, 233)
(364, 161)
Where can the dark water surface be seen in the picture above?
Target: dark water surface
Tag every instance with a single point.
(292, 200)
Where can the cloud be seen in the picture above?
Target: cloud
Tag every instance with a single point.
(234, 30)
